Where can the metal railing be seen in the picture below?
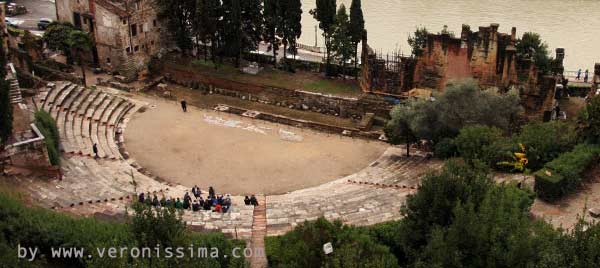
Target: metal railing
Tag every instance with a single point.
(572, 76)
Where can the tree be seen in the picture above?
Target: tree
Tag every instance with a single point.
(232, 27)
(6, 109)
(213, 21)
(432, 206)
(325, 13)
(531, 46)
(398, 130)
(56, 37)
(272, 23)
(461, 105)
(290, 27)
(589, 121)
(418, 41)
(493, 232)
(178, 15)
(546, 141)
(357, 27)
(252, 24)
(342, 39)
(198, 27)
(473, 142)
(81, 42)
(302, 247)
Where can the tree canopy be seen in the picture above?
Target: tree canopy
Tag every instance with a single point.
(325, 14)
(530, 45)
(462, 104)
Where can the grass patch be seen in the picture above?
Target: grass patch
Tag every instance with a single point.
(301, 80)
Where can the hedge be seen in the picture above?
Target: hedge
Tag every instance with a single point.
(565, 173)
(47, 126)
(46, 229)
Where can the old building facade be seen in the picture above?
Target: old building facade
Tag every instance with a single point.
(126, 32)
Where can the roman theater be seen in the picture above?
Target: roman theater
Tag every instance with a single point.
(148, 144)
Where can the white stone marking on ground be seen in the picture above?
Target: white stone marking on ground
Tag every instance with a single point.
(290, 136)
(218, 121)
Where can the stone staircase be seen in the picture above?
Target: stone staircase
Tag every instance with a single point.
(259, 231)
(15, 89)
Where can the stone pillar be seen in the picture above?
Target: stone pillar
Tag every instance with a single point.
(464, 36)
(557, 66)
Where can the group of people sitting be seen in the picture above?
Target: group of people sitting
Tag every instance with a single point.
(213, 202)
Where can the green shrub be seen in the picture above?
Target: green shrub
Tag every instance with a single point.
(446, 148)
(473, 143)
(303, 247)
(500, 152)
(47, 127)
(44, 229)
(546, 141)
(565, 173)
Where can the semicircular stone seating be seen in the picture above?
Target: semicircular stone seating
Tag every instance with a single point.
(107, 185)
(373, 195)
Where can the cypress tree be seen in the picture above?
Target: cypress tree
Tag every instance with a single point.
(325, 13)
(290, 27)
(6, 112)
(342, 46)
(272, 20)
(357, 27)
(232, 27)
(252, 24)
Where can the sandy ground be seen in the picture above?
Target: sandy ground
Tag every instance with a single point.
(254, 157)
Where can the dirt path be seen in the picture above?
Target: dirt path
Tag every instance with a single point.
(239, 155)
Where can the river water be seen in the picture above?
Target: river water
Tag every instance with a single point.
(571, 24)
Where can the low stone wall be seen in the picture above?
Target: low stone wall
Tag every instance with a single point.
(294, 99)
(55, 75)
(350, 132)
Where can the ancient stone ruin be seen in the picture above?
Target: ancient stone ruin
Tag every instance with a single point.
(486, 55)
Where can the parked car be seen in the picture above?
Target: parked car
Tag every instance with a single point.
(10, 23)
(14, 9)
(43, 23)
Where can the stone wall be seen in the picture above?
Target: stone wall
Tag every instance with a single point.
(30, 153)
(486, 55)
(541, 97)
(55, 75)
(350, 132)
(294, 99)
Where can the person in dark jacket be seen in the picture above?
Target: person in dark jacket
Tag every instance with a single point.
(95, 150)
(247, 201)
(184, 105)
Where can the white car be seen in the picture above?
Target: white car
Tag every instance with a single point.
(10, 23)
